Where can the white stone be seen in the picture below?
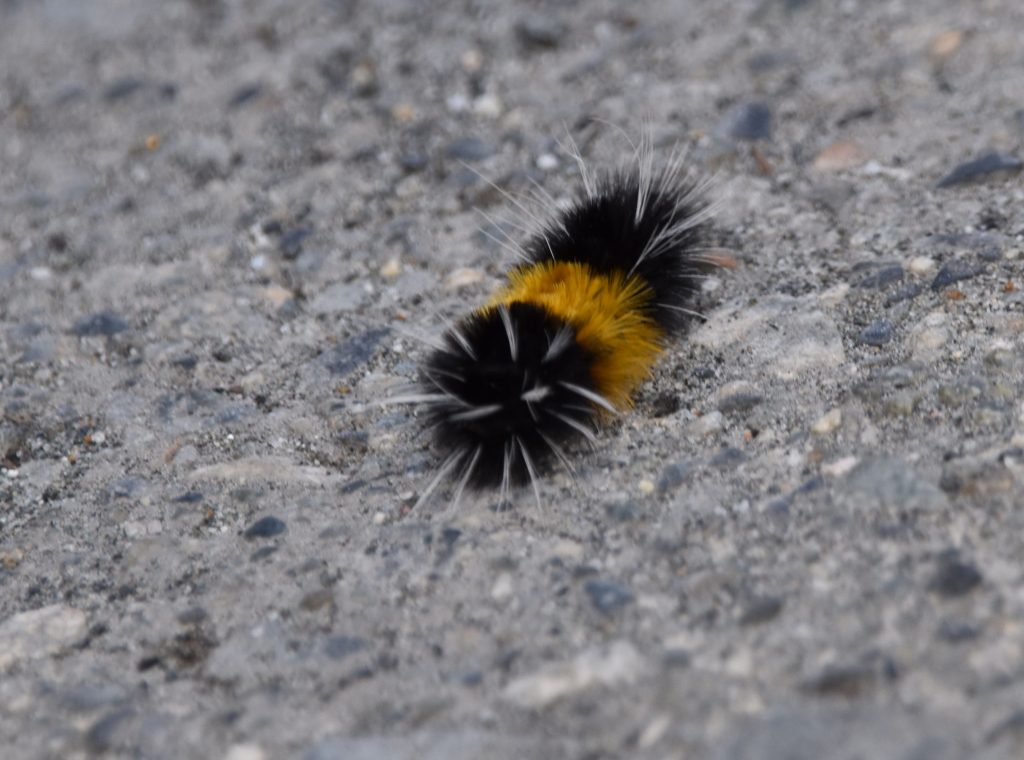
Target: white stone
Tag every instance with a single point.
(39, 633)
(619, 663)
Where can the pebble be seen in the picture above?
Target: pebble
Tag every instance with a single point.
(761, 610)
(955, 270)
(841, 680)
(738, 396)
(540, 32)
(884, 276)
(101, 323)
(954, 577)
(352, 353)
(728, 458)
(463, 277)
(617, 664)
(746, 121)
(839, 156)
(608, 597)
(878, 333)
(291, 241)
(921, 264)
(245, 751)
(413, 161)
(123, 88)
(888, 483)
(673, 476)
(708, 424)
(828, 422)
(547, 162)
(906, 293)
(338, 647)
(840, 467)
(244, 94)
(39, 633)
(469, 149)
(986, 165)
(265, 527)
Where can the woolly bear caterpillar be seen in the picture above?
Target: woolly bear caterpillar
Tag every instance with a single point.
(574, 330)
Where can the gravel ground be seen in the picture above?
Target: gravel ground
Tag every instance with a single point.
(226, 226)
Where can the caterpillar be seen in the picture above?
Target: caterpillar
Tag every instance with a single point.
(576, 327)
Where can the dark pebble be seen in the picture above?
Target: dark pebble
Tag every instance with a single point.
(884, 276)
(339, 647)
(954, 578)
(244, 94)
(739, 402)
(468, 149)
(291, 241)
(540, 32)
(192, 616)
(673, 476)
(728, 458)
(810, 485)
(954, 632)
(955, 270)
(102, 736)
(980, 168)
(127, 487)
(905, 293)
(262, 553)
(664, 404)
(123, 88)
(622, 511)
(878, 333)
(354, 352)
(746, 121)
(841, 681)
(761, 610)
(187, 362)
(704, 373)
(608, 596)
(100, 323)
(189, 497)
(265, 527)
(413, 162)
(1013, 725)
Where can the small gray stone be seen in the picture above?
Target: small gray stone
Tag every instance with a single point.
(469, 149)
(761, 610)
(981, 168)
(265, 527)
(878, 333)
(673, 476)
(608, 596)
(540, 32)
(955, 270)
(728, 458)
(746, 121)
(882, 277)
(954, 577)
(906, 293)
(354, 352)
(339, 647)
(887, 483)
(100, 323)
(739, 402)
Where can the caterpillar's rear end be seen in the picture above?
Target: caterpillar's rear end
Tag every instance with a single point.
(574, 330)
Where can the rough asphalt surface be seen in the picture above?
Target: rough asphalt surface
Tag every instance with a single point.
(225, 227)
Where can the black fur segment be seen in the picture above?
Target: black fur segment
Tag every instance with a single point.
(658, 242)
(506, 407)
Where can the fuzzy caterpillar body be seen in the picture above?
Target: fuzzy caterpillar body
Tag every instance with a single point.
(574, 330)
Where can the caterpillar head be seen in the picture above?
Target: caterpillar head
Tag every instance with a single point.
(512, 384)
